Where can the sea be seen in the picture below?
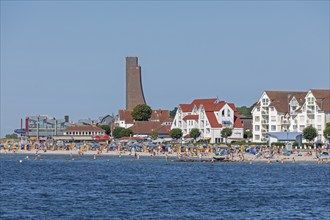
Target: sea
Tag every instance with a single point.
(112, 187)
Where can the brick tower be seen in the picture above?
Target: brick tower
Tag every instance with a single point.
(134, 91)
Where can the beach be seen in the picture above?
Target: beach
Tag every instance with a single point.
(248, 157)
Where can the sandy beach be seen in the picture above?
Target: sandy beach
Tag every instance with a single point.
(248, 157)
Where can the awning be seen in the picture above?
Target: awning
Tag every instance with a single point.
(285, 136)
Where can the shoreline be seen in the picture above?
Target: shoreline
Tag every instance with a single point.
(247, 156)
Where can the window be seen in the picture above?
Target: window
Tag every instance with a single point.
(223, 113)
(294, 127)
(265, 101)
(257, 128)
(273, 118)
(319, 118)
(271, 109)
(310, 100)
(319, 127)
(258, 109)
(257, 119)
(228, 113)
(301, 127)
(257, 137)
(207, 130)
(273, 128)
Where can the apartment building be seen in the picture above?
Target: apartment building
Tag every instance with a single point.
(210, 116)
(290, 111)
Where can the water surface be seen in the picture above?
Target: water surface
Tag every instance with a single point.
(58, 187)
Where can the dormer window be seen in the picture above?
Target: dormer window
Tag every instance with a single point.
(265, 101)
(310, 100)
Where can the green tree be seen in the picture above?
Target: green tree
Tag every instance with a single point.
(194, 133)
(248, 134)
(126, 132)
(226, 132)
(11, 136)
(327, 125)
(326, 132)
(176, 133)
(154, 134)
(173, 112)
(106, 128)
(309, 133)
(116, 132)
(141, 113)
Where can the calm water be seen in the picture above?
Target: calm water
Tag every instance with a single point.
(151, 188)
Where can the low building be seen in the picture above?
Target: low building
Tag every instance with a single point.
(210, 116)
(145, 128)
(44, 126)
(83, 133)
(125, 119)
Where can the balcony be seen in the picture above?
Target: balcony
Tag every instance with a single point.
(285, 122)
(264, 130)
(310, 122)
(309, 111)
(265, 121)
(263, 112)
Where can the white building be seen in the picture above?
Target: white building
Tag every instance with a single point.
(210, 116)
(283, 111)
(314, 112)
(125, 119)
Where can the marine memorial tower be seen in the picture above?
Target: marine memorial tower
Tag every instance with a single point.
(134, 91)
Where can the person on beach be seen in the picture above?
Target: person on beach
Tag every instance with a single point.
(36, 156)
(94, 157)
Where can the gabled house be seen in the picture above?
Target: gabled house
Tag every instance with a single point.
(210, 116)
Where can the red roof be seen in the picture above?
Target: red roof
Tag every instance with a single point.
(146, 127)
(213, 120)
(186, 136)
(186, 107)
(191, 117)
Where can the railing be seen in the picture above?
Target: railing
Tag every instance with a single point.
(264, 112)
(264, 130)
(310, 122)
(265, 121)
(310, 111)
(285, 121)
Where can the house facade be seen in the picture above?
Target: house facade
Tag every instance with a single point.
(290, 111)
(210, 116)
(125, 119)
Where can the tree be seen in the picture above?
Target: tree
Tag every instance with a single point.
(194, 133)
(126, 132)
(309, 133)
(173, 112)
(106, 128)
(226, 132)
(327, 125)
(11, 136)
(154, 134)
(141, 113)
(248, 134)
(326, 132)
(176, 133)
(116, 132)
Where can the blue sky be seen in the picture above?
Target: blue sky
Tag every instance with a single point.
(68, 58)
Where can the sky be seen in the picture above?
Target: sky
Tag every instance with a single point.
(68, 58)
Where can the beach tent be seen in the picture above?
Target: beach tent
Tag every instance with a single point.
(252, 151)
